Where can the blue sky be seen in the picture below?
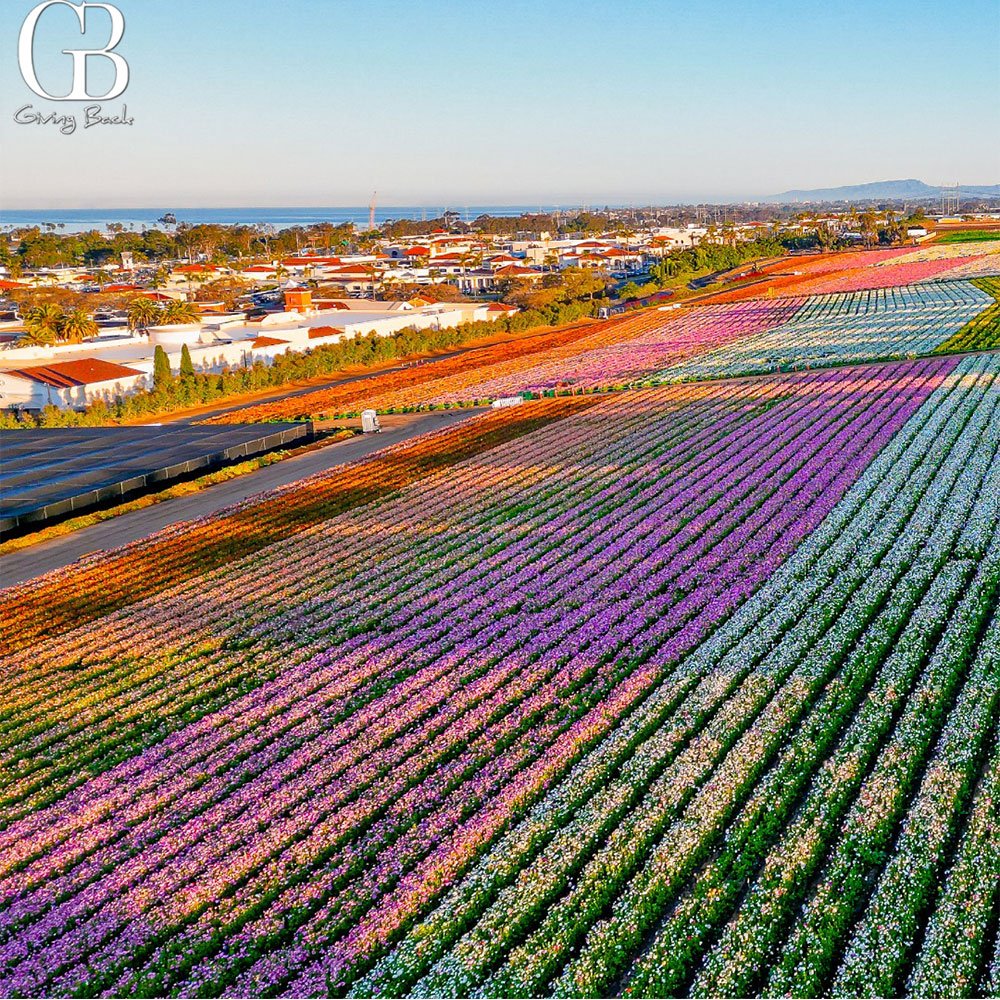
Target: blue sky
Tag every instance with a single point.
(318, 102)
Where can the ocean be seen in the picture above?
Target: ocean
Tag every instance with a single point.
(80, 220)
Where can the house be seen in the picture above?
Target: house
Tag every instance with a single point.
(518, 273)
(259, 272)
(67, 384)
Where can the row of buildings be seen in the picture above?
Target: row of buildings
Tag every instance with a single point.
(477, 264)
(120, 362)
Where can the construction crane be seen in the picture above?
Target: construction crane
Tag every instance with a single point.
(371, 212)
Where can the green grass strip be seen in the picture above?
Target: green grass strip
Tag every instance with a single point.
(982, 332)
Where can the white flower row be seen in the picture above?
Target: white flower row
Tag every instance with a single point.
(844, 327)
(617, 935)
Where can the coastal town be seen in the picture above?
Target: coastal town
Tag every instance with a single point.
(75, 333)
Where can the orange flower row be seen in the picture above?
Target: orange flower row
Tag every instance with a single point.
(385, 391)
(84, 593)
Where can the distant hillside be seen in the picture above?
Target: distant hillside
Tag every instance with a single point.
(909, 189)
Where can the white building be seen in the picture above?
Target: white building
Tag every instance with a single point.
(96, 370)
(67, 384)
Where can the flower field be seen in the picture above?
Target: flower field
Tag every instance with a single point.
(859, 270)
(982, 265)
(396, 388)
(945, 251)
(697, 342)
(664, 338)
(613, 351)
(855, 326)
(685, 690)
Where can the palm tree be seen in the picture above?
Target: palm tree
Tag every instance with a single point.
(180, 312)
(142, 313)
(44, 321)
(193, 277)
(159, 277)
(77, 325)
(39, 336)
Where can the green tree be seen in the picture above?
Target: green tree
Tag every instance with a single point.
(869, 227)
(159, 278)
(37, 336)
(75, 326)
(163, 377)
(187, 365)
(42, 321)
(180, 312)
(143, 313)
(824, 238)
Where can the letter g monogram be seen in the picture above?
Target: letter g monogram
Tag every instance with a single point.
(25, 53)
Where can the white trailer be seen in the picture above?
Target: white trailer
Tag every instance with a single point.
(370, 423)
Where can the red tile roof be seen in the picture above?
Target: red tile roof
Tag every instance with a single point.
(516, 269)
(64, 374)
(267, 342)
(324, 331)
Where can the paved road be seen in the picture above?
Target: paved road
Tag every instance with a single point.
(20, 566)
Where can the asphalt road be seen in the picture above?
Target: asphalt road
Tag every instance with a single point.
(46, 556)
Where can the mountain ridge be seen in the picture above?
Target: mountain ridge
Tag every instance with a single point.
(909, 188)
